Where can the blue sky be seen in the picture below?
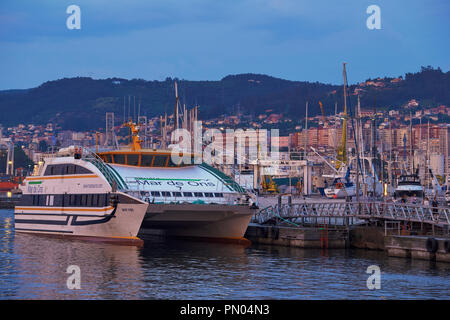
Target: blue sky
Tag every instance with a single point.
(209, 39)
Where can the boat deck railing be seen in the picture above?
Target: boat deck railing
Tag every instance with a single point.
(439, 216)
(113, 179)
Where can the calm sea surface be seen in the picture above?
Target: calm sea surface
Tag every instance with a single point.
(35, 267)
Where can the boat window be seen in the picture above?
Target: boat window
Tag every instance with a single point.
(108, 158)
(94, 200)
(83, 200)
(80, 169)
(198, 194)
(160, 161)
(165, 193)
(218, 195)
(187, 194)
(133, 159)
(208, 194)
(156, 194)
(102, 200)
(172, 164)
(119, 158)
(61, 169)
(176, 194)
(146, 160)
(72, 200)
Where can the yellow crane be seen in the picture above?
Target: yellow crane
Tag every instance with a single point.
(323, 113)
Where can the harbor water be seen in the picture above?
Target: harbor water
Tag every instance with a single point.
(36, 267)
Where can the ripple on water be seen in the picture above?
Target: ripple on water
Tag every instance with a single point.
(34, 267)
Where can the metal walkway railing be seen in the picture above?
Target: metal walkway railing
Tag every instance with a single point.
(363, 210)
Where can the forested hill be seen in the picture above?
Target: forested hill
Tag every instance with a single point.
(81, 103)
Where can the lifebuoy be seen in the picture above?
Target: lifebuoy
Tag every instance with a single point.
(339, 185)
(432, 245)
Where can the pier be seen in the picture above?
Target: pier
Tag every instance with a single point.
(402, 230)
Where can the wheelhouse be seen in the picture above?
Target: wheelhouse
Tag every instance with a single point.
(146, 158)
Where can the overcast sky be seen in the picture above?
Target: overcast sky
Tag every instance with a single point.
(209, 39)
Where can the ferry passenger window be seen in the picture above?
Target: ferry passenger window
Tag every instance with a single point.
(49, 170)
(146, 160)
(94, 202)
(156, 194)
(160, 161)
(218, 195)
(101, 200)
(89, 200)
(165, 193)
(70, 169)
(80, 169)
(77, 200)
(133, 159)
(119, 158)
(198, 194)
(208, 194)
(83, 200)
(176, 194)
(108, 158)
(187, 194)
(72, 200)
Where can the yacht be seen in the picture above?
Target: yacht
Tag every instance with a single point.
(409, 185)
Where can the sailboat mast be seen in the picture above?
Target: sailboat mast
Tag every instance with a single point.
(175, 113)
(342, 151)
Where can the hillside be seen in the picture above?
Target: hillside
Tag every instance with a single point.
(81, 103)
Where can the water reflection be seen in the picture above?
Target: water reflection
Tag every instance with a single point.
(106, 270)
(34, 267)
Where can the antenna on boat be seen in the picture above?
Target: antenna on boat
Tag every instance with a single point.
(175, 113)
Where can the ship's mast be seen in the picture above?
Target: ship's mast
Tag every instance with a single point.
(342, 151)
(175, 113)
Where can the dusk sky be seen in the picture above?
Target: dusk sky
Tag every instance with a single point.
(209, 39)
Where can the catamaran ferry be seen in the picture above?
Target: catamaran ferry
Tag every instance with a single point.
(115, 194)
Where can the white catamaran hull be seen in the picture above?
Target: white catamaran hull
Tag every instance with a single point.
(200, 221)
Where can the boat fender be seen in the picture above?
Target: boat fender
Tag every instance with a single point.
(447, 246)
(432, 245)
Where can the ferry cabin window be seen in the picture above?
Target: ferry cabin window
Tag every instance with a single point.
(208, 194)
(176, 194)
(187, 194)
(62, 169)
(146, 160)
(38, 200)
(156, 194)
(119, 158)
(198, 194)
(172, 164)
(108, 158)
(165, 193)
(133, 159)
(218, 195)
(160, 161)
